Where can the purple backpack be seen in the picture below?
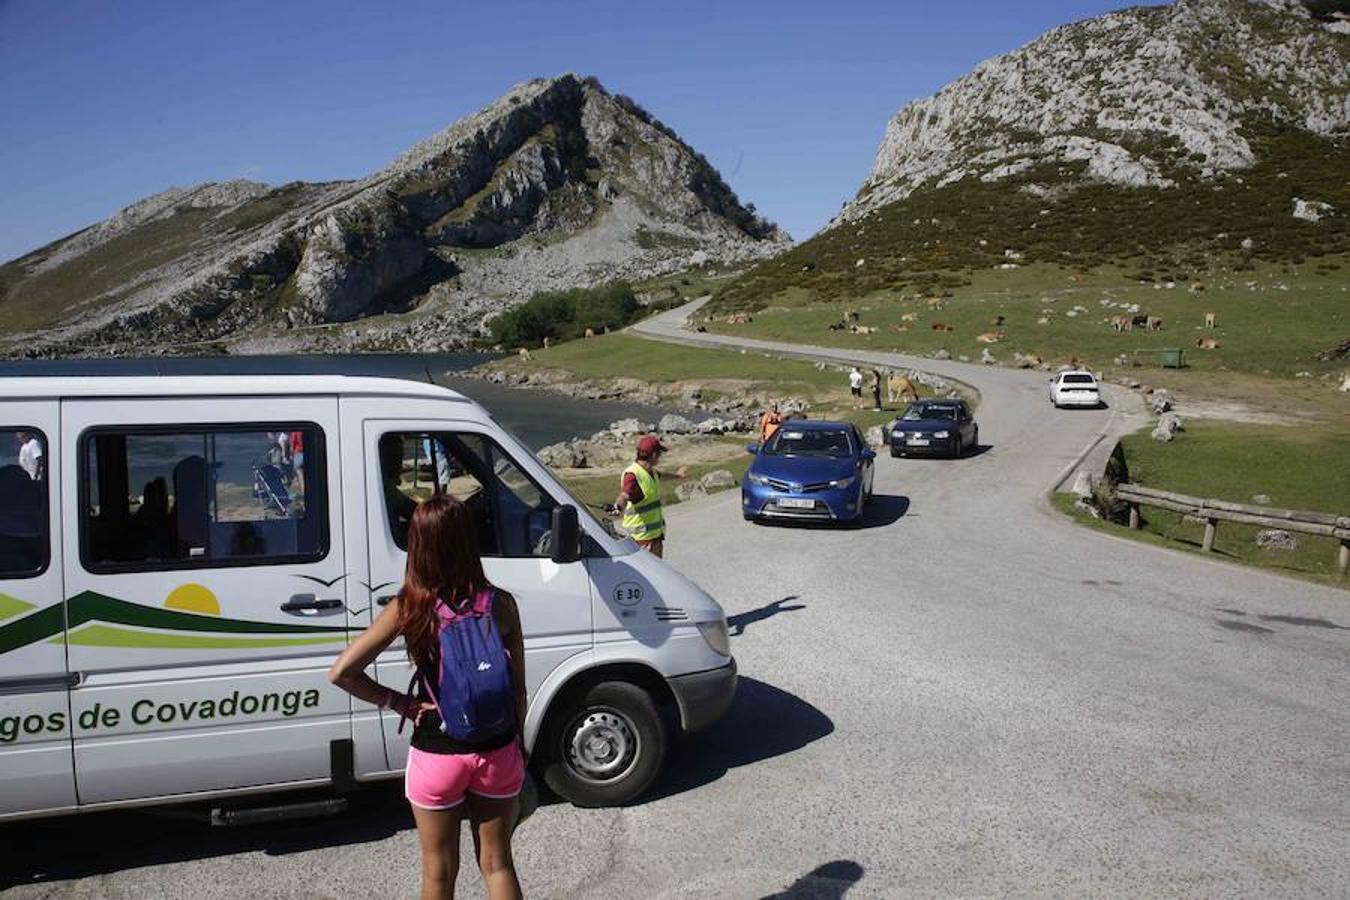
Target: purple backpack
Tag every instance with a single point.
(472, 688)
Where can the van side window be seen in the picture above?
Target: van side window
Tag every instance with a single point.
(514, 515)
(189, 496)
(24, 542)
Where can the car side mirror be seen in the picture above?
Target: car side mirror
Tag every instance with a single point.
(752, 448)
(869, 454)
(566, 537)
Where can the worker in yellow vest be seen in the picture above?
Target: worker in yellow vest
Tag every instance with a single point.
(640, 497)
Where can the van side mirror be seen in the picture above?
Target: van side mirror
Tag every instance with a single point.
(869, 454)
(566, 536)
(752, 448)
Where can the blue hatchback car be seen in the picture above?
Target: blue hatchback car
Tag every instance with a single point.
(818, 471)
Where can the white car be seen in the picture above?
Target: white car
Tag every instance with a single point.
(1075, 388)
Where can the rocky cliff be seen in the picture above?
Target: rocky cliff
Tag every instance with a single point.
(557, 184)
(1160, 138)
(1138, 98)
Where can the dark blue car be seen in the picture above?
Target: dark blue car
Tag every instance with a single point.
(818, 471)
(928, 427)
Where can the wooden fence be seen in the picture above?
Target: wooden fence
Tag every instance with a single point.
(1214, 511)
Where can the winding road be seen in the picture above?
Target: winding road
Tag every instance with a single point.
(972, 696)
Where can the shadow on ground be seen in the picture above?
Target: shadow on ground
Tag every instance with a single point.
(828, 882)
(102, 843)
(739, 622)
(763, 722)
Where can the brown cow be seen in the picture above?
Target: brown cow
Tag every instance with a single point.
(991, 337)
(1205, 343)
(590, 333)
(1153, 323)
(943, 326)
(1122, 323)
(910, 317)
(524, 354)
(898, 386)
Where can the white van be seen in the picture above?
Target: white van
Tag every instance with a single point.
(182, 558)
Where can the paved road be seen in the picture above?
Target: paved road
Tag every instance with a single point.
(969, 697)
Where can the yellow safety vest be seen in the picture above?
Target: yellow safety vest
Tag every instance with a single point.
(644, 521)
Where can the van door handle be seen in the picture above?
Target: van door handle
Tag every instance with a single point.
(308, 603)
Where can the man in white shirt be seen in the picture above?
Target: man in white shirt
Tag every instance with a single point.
(855, 383)
(30, 455)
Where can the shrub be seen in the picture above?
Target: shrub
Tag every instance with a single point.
(564, 315)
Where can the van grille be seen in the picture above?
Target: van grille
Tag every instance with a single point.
(670, 614)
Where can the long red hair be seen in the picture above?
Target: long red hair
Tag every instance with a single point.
(443, 564)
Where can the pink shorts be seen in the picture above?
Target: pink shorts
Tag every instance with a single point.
(440, 780)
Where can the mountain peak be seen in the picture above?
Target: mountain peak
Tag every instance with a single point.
(1137, 95)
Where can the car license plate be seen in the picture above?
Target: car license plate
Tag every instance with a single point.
(793, 503)
(918, 442)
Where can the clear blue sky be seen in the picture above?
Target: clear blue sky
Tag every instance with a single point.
(106, 102)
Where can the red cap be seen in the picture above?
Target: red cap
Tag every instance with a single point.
(648, 445)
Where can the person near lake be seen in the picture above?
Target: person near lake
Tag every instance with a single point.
(640, 496)
(876, 389)
(298, 461)
(31, 458)
(769, 423)
(855, 383)
(472, 772)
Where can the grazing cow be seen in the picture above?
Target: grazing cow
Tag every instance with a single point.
(999, 320)
(524, 354)
(943, 326)
(934, 302)
(991, 337)
(548, 342)
(1197, 287)
(836, 326)
(898, 386)
(910, 317)
(1205, 343)
(590, 333)
(850, 316)
(1211, 319)
(1152, 323)
(1122, 323)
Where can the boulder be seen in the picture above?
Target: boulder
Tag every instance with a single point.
(1276, 539)
(712, 426)
(1261, 499)
(941, 354)
(1084, 505)
(692, 394)
(689, 490)
(631, 426)
(672, 424)
(986, 357)
(1160, 404)
(719, 479)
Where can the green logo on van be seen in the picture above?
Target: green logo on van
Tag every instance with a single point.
(96, 620)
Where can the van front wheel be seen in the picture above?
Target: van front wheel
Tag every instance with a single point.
(609, 749)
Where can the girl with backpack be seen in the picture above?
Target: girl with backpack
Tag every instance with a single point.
(468, 705)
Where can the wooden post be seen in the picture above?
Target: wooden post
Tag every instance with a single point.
(1211, 526)
(1343, 557)
(1134, 516)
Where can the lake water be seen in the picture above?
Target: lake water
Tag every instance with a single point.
(538, 418)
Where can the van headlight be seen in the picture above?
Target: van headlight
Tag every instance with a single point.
(843, 482)
(942, 434)
(755, 478)
(715, 633)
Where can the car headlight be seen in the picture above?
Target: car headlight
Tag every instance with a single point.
(942, 434)
(843, 482)
(897, 434)
(715, 633)
(756, 478)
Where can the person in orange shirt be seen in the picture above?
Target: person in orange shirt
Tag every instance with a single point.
(768, 423)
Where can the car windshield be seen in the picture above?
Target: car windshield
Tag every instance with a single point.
(1079, 379)
(833, 442)
(916, 413)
